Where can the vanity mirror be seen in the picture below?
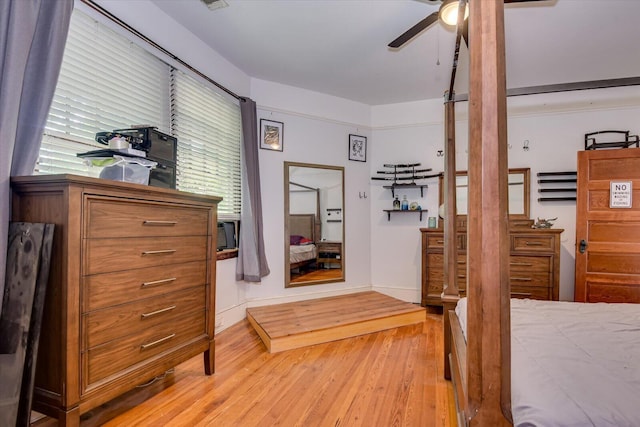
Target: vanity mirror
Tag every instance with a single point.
(518, 194)
(313, 224)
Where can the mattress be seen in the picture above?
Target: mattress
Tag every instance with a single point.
(299, 253)
(573, 364)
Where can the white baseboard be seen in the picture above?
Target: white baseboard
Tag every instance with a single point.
(405, 294)
(230, 316)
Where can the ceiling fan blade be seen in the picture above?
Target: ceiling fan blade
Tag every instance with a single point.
(415, 30)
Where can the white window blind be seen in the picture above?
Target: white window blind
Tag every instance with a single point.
(108, 82)
(207, 126)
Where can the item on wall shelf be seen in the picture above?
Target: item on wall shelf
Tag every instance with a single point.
(590, 142)
(405, 203)
(334, 215)
(404, 172)
(565, 180)
(271, 135)
(357, 148)
(396, 203)
(544, 223)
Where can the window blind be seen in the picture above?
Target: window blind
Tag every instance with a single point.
(108, 82)
(207, 125)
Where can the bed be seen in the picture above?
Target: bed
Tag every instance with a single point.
(501, 364)
(302, 237)
(577, 364)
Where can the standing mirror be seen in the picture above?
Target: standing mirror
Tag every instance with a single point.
(313, 224)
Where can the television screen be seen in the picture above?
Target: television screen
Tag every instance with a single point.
(226, 235)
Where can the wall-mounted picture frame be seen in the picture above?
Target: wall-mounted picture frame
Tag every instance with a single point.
(271, 135)
(357, 148)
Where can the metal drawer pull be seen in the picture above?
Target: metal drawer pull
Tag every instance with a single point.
(153, 313)
(163, 251)
(156, 342)
(522, 264)
(533, 243)
(440, 241)
(150, 222)
(158, 282)
(522, 279)
(521, 294)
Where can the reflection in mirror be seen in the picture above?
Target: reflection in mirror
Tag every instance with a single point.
(518, 192)
(314, 227)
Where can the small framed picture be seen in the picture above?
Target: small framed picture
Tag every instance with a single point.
(271, 135)
(358, 148)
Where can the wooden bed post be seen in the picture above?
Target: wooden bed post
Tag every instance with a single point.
(488, 349)
(450, 294)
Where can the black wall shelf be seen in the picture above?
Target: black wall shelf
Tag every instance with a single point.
(560, 182)
(395, 211)
(393, 188)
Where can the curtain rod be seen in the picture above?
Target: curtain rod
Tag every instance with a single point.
(137, 33)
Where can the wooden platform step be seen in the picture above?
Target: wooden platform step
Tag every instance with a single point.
(299, 324)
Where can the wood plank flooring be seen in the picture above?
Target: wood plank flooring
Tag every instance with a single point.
(298, 324)
(389, 378)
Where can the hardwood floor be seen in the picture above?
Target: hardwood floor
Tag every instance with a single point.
(388, 378)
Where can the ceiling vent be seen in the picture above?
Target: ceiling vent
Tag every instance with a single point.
(215, 4)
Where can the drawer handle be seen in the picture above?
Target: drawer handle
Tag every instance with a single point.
(522, 279)
(158, 282)
(522, 264)
(520, 294)
(163, 223)
(533, 243)
(153, 313)
(156, 342)
(462, 262)
(162, 251)
(440, 241)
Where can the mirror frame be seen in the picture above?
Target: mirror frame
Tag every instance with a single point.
(513, 217)
(287, 272)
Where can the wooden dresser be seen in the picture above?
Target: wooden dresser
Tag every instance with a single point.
(534, 270)
(131, 291)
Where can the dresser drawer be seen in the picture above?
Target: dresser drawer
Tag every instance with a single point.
(528, 242)
(531, 292)
(110, 217)
(115, 356)
(121, 320)
(530, 279)
(436, 241)
(104, 290)
(109, 255)
(529, 263)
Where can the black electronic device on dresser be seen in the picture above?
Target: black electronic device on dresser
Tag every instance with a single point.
(160, 148)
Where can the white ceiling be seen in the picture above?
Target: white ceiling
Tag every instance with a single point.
(339, 47)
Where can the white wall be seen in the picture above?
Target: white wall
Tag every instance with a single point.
(381, 254)
(554, 125)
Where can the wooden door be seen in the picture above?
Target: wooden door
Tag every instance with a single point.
(608, 228)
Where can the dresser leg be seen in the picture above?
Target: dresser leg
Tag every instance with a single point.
(70, 418)
(210, 359)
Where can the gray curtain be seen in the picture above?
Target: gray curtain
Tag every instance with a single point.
(252, 261)
(33, 34)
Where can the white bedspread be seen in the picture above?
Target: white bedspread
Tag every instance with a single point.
(298, 253)
(573, 364)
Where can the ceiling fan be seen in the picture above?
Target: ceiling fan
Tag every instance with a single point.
(448, 14)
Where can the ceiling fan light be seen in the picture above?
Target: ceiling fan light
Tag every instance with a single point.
(449, 12)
